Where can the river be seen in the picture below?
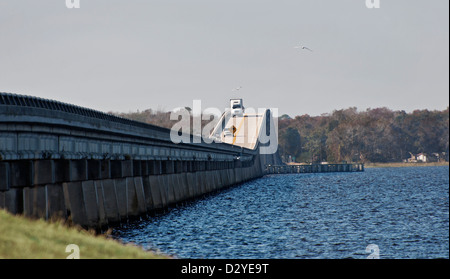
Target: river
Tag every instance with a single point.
(402, 212)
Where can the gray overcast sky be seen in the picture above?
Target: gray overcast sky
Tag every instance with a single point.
(117, 55)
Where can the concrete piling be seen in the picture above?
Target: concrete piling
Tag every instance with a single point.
(122, 197)
(90, 203)
(110, 201)
(98, 193)
(102, 216)
(132, 199)
(140, 195)
(12, 200)
(155, 192)
(190, 177)
(170, 187)
(73, 194)
(164, 190)
(147, 193)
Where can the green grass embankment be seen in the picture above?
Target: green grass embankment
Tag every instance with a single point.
(23, 238)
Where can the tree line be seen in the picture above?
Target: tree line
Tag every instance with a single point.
(374, 135)
(161, 118)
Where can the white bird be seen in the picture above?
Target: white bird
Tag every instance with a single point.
(303, 47)
(237, 88)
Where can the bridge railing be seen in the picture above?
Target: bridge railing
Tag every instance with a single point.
(35, 128)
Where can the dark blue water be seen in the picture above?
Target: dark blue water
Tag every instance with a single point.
(404, 211)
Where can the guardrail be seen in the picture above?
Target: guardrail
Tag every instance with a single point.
(9, 99)
(36, 128)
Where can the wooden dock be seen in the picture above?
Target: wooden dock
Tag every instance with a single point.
(314, 168)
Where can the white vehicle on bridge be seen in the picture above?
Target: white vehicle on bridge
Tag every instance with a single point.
(237, 107)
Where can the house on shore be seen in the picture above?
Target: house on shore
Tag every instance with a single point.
(425, 158)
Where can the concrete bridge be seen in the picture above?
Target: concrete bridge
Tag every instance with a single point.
(63, 161)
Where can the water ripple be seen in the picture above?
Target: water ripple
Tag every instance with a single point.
(404, 211)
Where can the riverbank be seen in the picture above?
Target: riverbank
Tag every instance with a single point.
(403, 165)
(23, 238)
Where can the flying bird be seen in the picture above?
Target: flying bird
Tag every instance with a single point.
(237, 88)
(303, 47)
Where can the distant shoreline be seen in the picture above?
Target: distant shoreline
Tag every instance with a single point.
(394, 165)
(404, 165)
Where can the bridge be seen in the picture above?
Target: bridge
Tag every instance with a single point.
(59, 160)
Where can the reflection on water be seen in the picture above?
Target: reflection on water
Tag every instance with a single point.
(404, 211)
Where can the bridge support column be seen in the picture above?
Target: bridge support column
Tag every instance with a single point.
(21, 173)
(12, 200)
(105, 169)
(137, 168)
(4, 174)
(44, 172)
(176, 187)
(147, 193)
(191, 184)
(155, 167)
(78, 170)
(170, 186)
(110, 202)
(140, 195)
(35, 202)
(155, 192)
(73, 195)
(162, 184)
(90, 203)
(184, 185)
(94, 169)
(55, 202)
(62, 170)
(122, 200)
(102, 216)
(135, 197)
(207, 181)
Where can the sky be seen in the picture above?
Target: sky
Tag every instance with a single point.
(122, 56)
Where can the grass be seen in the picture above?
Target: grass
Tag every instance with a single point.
(402, 165)
(23, 238)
